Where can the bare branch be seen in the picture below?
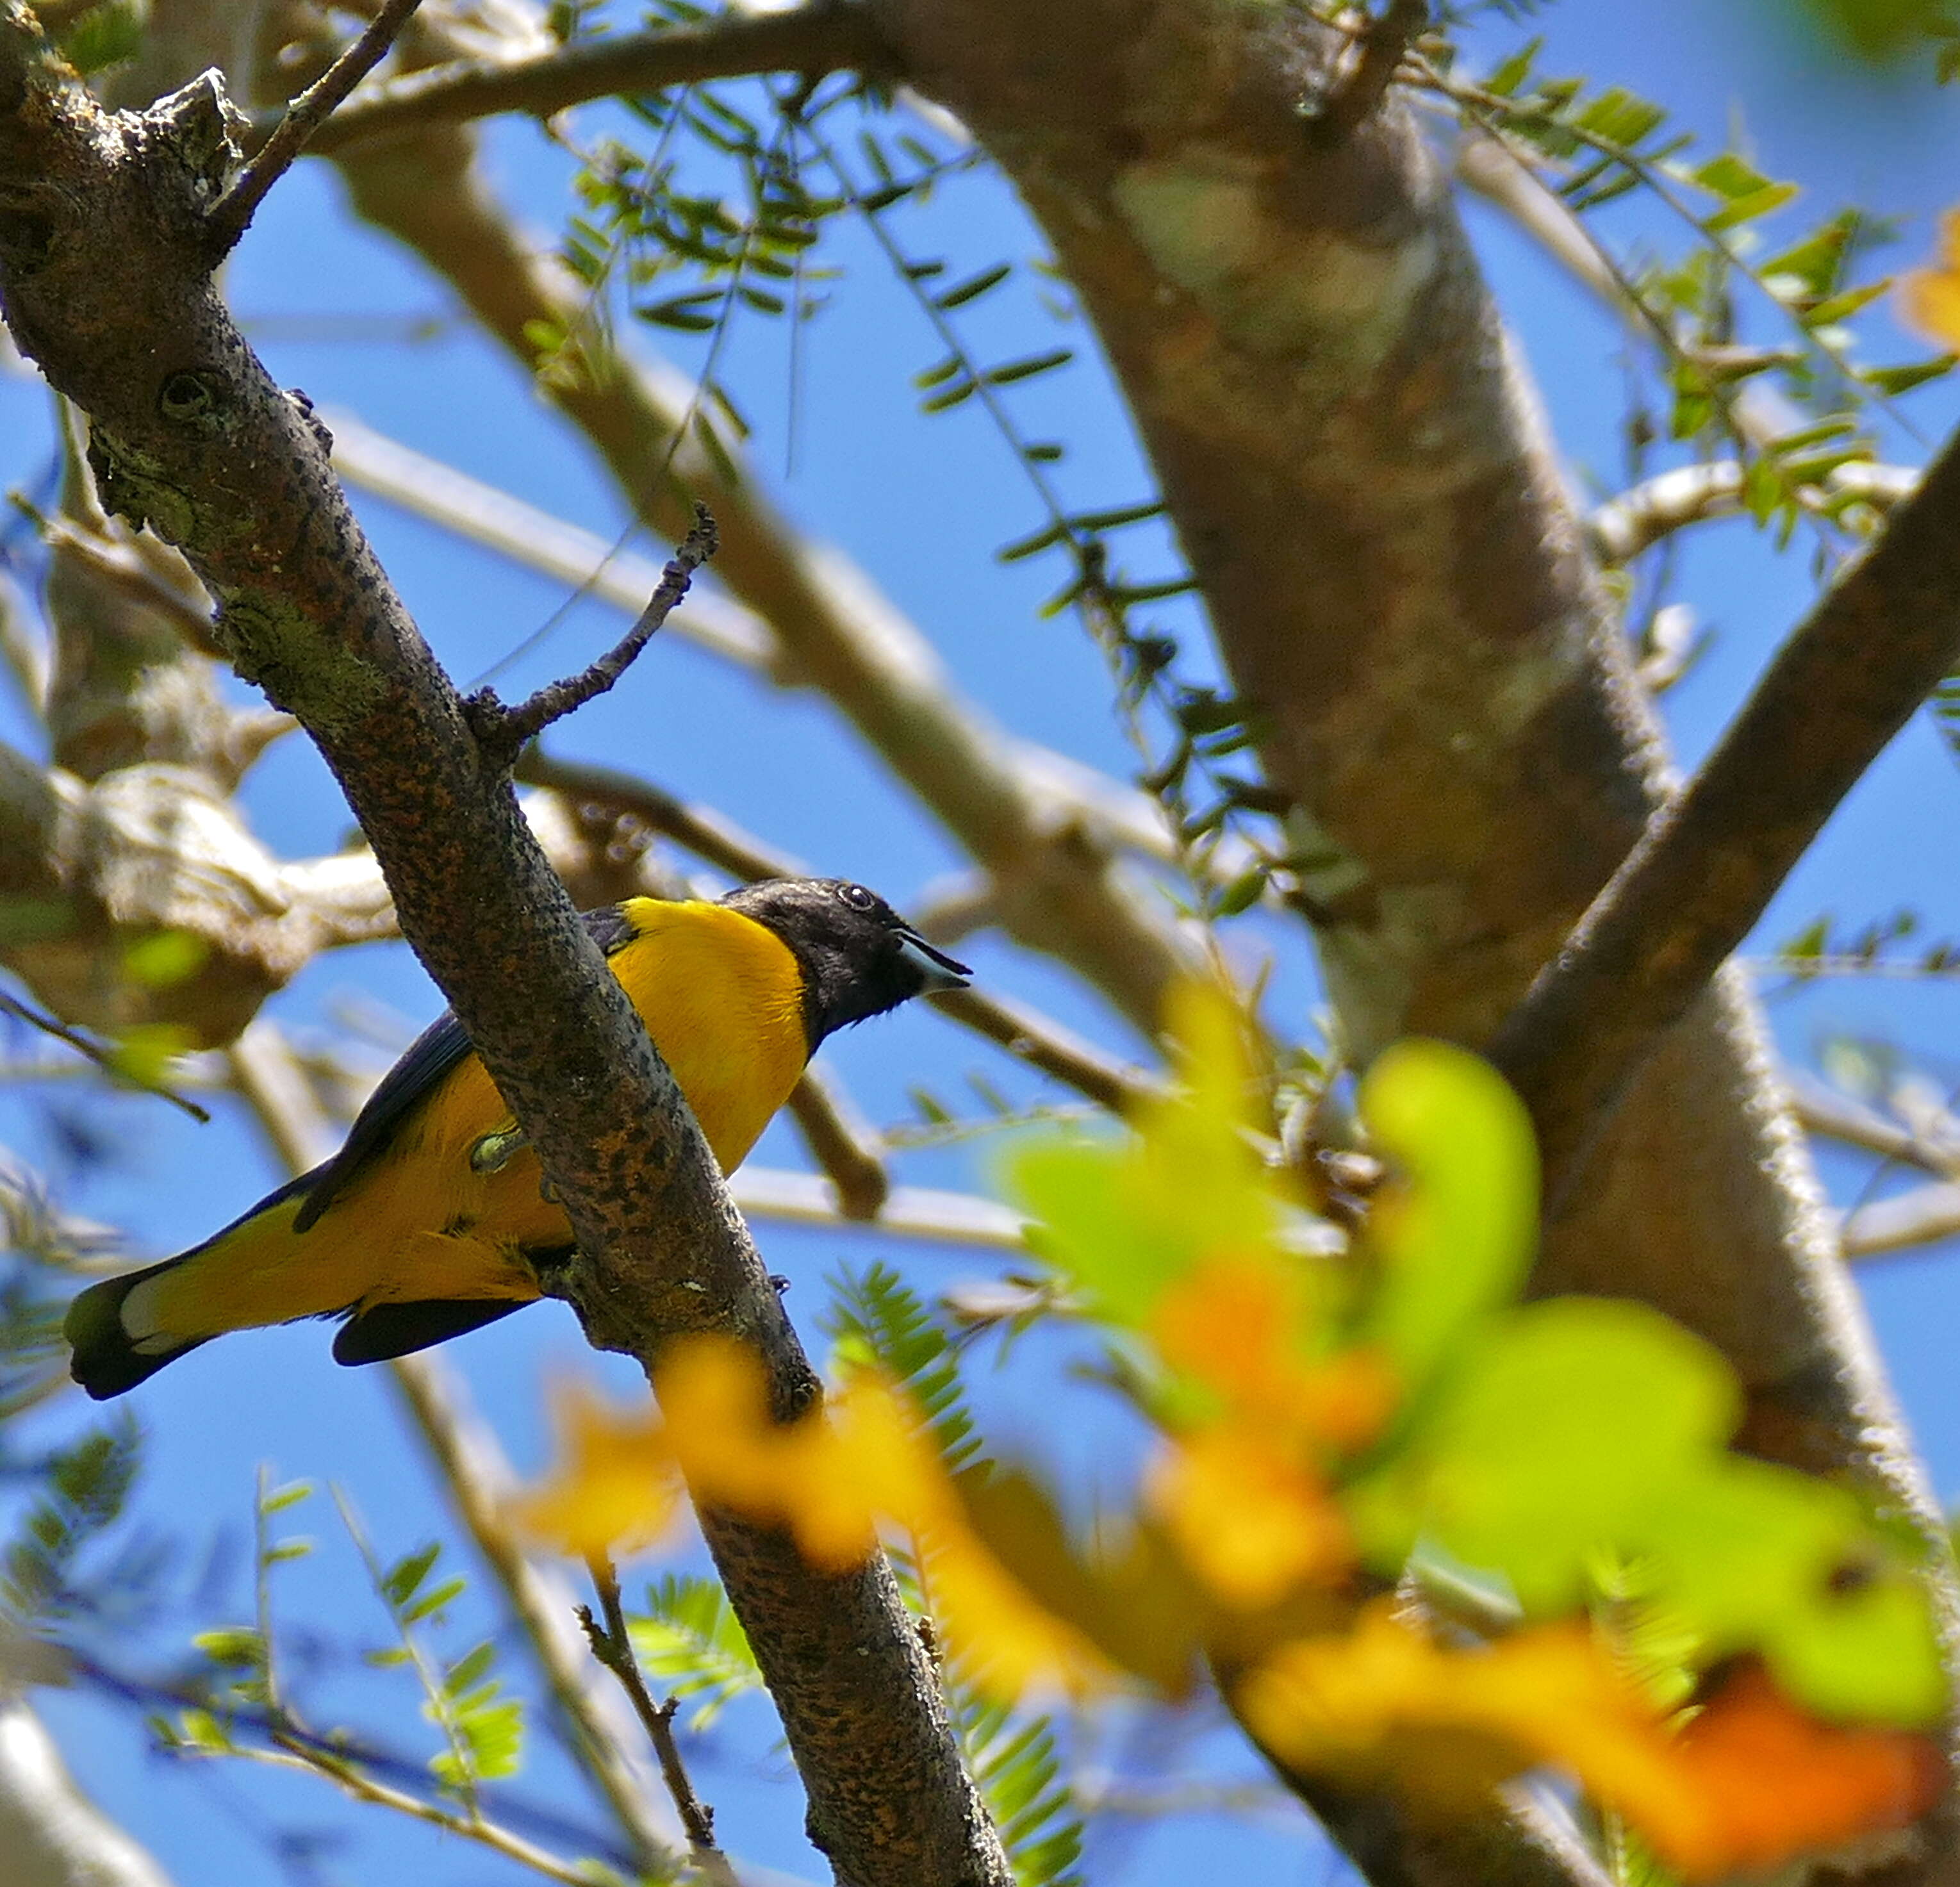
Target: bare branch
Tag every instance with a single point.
(913, 1212)
(231, 215)
(107, 1059)
(1849, 678)
(844, 1144)
(108, 312)
(1824, 1110)
(1623, 527)
(52, 1834)
(612, 1646)
(1382, 42)
(1923, 1217)
(820, 36)
(502, 731)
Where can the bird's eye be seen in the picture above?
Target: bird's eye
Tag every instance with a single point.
(858, 897)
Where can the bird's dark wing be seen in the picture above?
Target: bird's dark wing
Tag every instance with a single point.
(394, 1330)
(440, 1048)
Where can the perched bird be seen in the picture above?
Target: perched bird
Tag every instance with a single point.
(433, 1219)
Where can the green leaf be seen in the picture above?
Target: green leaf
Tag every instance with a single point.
(1241, 894)
(1902, 380)
(433, 1602)
(875, 1318)
(1455, 1241)
(1621, 117)
(972, 288)
(692, 1643)
(1026, 369)
(1513, 73)
(1730, 177)
(1024, 548)
(1754, 1556)
(104, 36)
(237, 1647)
(398, 1584)
(1746, 209)
(469, 1670)
(1549, 1439)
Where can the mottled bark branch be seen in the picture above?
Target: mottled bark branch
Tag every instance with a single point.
(825, 35)
(1709, 860)
(102, 283)
(1399, 586)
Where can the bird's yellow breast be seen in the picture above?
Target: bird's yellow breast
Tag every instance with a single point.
(722, 998)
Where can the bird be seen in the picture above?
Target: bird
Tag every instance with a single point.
(434, 1218)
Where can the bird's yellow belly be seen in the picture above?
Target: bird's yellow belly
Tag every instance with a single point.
(419, 1223)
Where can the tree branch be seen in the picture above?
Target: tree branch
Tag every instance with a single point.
(1382, 43)
(100, 286)
(52, 1834)
(1704, 870)
(820, 36)
(231, 215)
(503, 730)
(612, 1645)
(1061, 890)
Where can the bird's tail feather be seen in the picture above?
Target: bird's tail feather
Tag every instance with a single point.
(107, 1361)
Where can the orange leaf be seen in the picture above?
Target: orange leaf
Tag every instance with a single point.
(1234, 1327)
(1774, 1782)
(1752, 1783)
(1245, 1520)
(828, 1477)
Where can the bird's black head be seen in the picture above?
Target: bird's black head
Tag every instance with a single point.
(859, 958)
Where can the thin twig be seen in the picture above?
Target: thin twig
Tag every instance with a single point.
(1622, 528)
(910, 1212)
(1923, 1217)
(1823, 1110)
(231, 215)
(1382, 42)
(291, 1753)
(612, 1646)
(106, 1059)
(503, 731)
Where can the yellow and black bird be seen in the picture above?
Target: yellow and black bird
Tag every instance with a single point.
(432, 1221)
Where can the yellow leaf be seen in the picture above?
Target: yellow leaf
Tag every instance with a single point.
(1929, 298)
(829, 1476)
(1245, 1518)
(613, 1487)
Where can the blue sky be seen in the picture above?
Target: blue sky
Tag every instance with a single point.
(923, 504)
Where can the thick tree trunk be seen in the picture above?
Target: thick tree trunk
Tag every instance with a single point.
(51, 1834)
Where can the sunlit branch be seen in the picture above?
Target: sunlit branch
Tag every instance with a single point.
(820, 36)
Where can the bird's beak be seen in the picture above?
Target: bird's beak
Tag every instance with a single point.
(937, 972)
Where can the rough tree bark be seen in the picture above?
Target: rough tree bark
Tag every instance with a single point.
(106, 281)
(1354, 463)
